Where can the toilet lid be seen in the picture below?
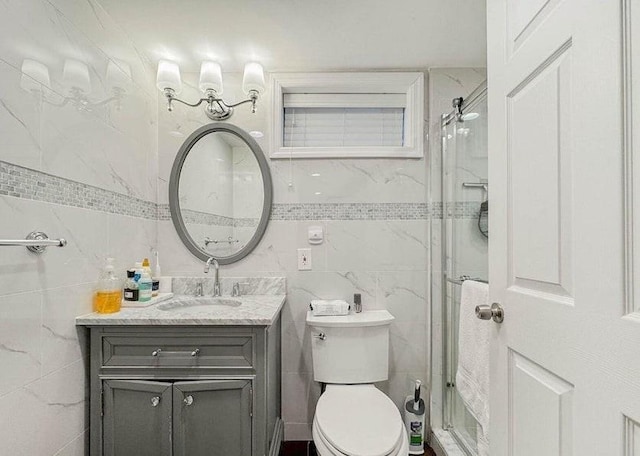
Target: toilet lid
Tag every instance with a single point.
(359, 420)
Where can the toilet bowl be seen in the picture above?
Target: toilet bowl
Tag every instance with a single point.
(353, 417)
(358, 420)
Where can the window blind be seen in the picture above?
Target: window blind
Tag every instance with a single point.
(343, 120)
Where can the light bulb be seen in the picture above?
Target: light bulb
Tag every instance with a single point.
(76, 76)
(211, 77)
(118, 75)
(253, 78)
(35, 76)
(168, 76)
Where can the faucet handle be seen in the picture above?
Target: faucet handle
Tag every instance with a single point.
(237, 290)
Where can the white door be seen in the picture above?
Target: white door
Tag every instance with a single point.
(565, 207)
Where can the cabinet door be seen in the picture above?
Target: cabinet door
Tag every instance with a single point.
(137, 418)
(212, 418)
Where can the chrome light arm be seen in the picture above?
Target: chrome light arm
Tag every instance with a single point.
(216, 108)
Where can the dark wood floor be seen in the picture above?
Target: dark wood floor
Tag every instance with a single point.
(304, 448)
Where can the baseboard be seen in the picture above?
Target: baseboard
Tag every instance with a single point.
(276, 439)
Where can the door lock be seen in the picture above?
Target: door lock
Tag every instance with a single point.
(494, 312)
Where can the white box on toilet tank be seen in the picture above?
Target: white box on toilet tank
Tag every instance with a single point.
(350, 349)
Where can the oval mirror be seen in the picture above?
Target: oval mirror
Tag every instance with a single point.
(220, 193)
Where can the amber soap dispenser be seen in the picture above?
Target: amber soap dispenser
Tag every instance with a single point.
(108, 296)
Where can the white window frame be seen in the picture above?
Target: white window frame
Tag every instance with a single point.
(409, 83)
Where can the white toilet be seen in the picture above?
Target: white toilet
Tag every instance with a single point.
(353, 417)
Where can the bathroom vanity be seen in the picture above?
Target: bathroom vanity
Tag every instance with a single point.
(187, 377)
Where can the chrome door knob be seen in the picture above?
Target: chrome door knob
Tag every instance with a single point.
(188, 400)
(493, 312)
(155, 401)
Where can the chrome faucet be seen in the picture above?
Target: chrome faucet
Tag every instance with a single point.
(216, 277)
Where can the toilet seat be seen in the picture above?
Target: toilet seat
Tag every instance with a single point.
(358, 420)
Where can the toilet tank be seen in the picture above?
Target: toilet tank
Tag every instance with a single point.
(352, 348)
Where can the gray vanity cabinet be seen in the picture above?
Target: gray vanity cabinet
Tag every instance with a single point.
(185, 390)
(212, 418)
(137, 418)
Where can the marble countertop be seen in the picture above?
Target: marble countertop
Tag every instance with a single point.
(254, 310)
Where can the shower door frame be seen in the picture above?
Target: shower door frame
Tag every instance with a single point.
(477, 96)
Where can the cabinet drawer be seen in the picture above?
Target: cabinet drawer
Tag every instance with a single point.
(229, 350)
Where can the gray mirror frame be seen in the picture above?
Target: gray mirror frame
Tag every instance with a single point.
(174, 200)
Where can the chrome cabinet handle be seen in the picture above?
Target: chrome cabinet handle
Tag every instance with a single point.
(494, 312)
(158, 351)
(321, 336)
(188, 400)
(155, 401)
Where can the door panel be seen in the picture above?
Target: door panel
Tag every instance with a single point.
(565, 370)
(541, 404)
(212, 418)
(540, 175)
(137, 418)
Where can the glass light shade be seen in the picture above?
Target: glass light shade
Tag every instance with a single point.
(211, 77)
(35, 76)
(253, 78)
(169, 76)
(118, 75)
(75, 75)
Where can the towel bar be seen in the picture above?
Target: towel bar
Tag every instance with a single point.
(36, 242)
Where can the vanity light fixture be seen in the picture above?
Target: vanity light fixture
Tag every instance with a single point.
(169, 82)
(76, 82)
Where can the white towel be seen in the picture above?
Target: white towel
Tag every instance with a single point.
(333, 307)
(472, 378)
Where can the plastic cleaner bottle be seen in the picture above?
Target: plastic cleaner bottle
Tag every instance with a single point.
(145, 285)
(414, 420)
(108, 296)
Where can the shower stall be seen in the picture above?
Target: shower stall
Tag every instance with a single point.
(464, 239)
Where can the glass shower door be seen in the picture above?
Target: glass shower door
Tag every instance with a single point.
(464, 190)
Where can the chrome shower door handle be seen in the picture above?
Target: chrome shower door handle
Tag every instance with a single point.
(494, 312)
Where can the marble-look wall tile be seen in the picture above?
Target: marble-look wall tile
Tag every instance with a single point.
(44, 416)
(20, 340)
(111, 147)
(59, 338)
(78, 262)
(376, 245)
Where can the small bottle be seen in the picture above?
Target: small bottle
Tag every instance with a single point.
(138, 271)
(108, 296)
(146, 266)
(144, 288)
(131, 291)
(157, 273)
(357, 302)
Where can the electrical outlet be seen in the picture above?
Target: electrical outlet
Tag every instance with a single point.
(304, 259)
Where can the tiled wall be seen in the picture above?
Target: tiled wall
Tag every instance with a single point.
(374, 216)
(88, 175)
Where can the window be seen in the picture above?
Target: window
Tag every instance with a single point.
(343, 115)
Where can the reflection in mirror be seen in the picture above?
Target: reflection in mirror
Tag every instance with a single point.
(221, 194)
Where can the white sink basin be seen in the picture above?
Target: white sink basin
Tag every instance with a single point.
(197, 302)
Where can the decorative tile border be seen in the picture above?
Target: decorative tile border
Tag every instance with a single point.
(38, 186)
(456, 210)
(30, 184)
(350, 211)
(205, 218)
